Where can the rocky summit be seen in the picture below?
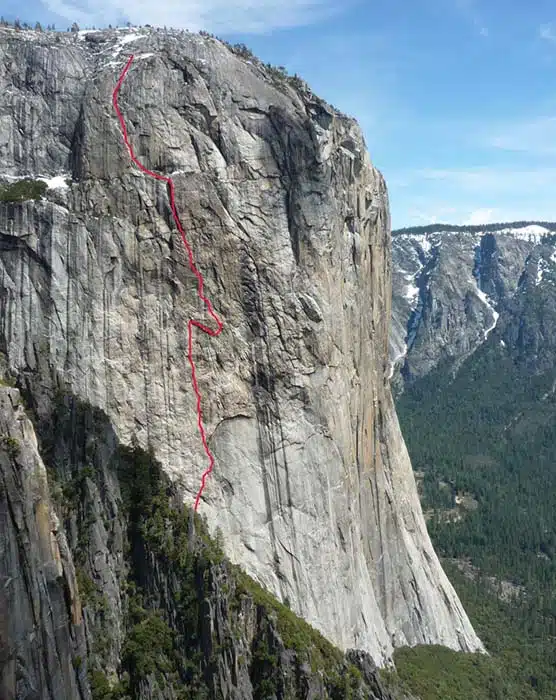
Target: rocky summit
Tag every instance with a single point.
(312, 488)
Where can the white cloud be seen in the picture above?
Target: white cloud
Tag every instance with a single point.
(481, 216)
(220, 16)
(547, 31)
(536, 136)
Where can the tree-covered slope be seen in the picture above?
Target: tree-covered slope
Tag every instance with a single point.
(474, 338)
(520, 665)
(483, 445)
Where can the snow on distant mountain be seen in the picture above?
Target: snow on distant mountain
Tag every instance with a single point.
(451, 284)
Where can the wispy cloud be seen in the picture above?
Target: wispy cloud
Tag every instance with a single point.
(468, 9)
(223, 16)
(433, 212)
(491, 179)
(534, 136)
(547, 32)
(430, 213)
(475, 195)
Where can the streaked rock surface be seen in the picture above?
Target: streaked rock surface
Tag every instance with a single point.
(289, 224)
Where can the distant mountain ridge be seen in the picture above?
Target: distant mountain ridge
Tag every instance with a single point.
(475, 228)
(452, 286)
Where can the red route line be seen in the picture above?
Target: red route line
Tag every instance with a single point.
(195, 271)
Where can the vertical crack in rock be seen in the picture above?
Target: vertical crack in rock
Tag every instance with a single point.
(271, 436)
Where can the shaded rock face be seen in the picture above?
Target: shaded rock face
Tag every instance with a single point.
(41, 619)
(528, 331)
(453, 289)
(289, 224)
(136, 602)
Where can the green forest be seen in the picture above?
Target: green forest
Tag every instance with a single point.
(490, 434)
(519, 665)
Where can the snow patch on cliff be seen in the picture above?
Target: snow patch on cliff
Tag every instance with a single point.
(395, 361)
(532, 233)
(82, 33)
(117, 48)
(122, 42)
(57, 182)
(543, 266)
(495, 315)
(128, 39)
(424, 243)
(412, 293)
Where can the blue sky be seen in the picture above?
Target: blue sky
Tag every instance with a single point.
(456, 98)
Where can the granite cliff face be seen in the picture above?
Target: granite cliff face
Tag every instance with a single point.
(453, 288)
(41, 619)
(288, 220)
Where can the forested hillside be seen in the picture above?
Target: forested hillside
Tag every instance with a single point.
(483, 446)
